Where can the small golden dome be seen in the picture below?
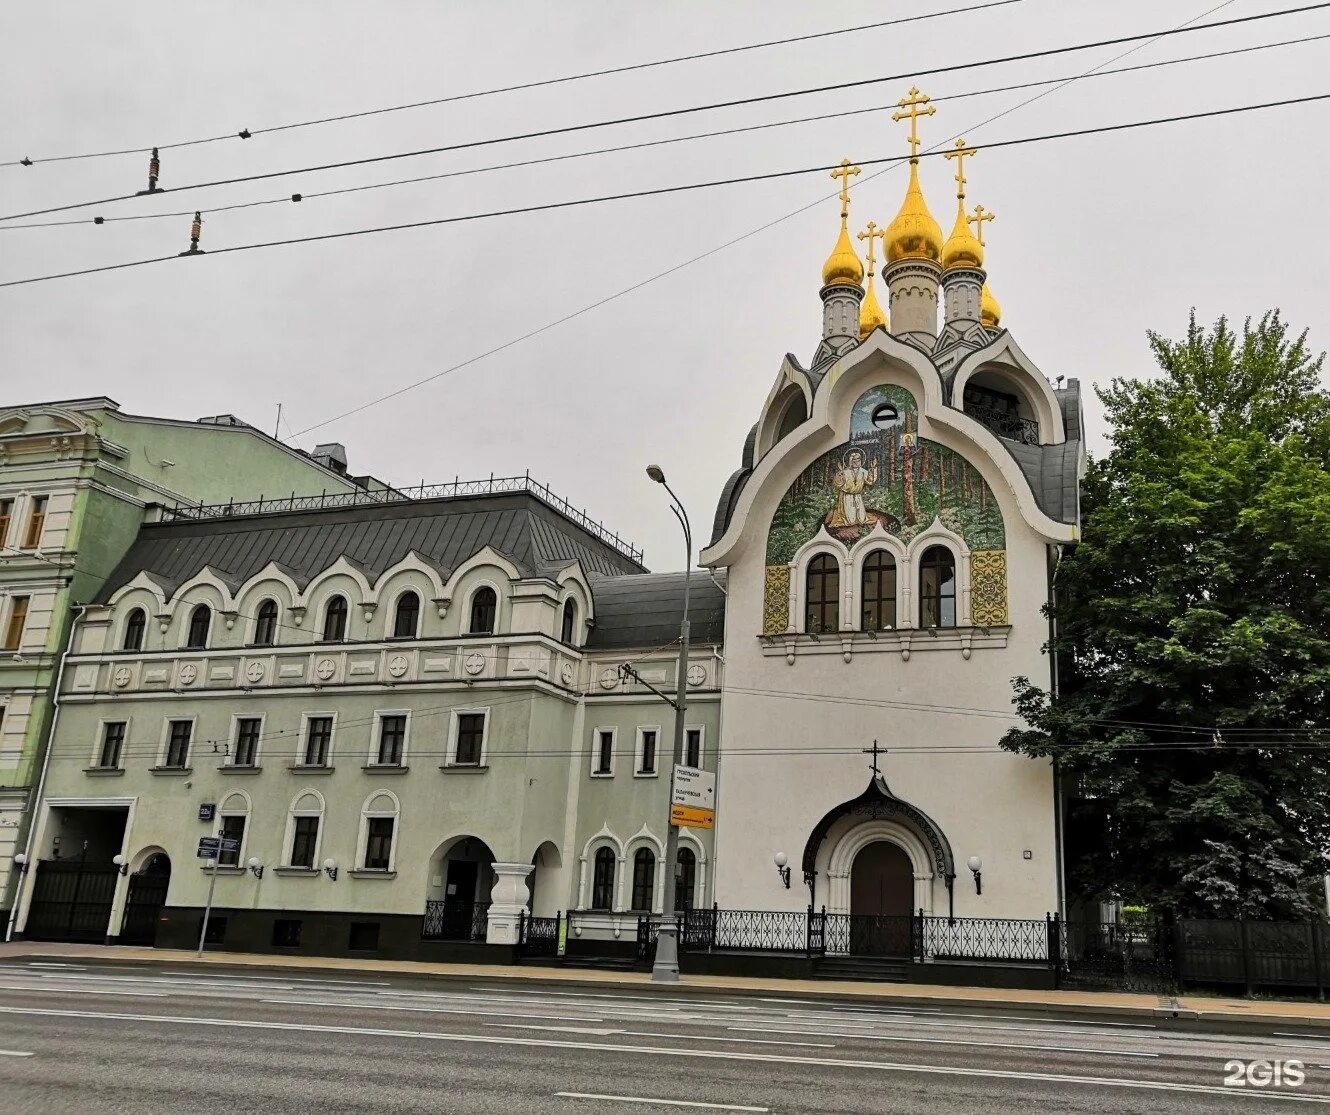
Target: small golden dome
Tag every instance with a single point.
(843, 265)
(914, 234)
(871, 314)
(962, 249)
(990, 312)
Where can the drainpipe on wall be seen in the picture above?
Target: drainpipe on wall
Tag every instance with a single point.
(1055, 557)
(26, 895)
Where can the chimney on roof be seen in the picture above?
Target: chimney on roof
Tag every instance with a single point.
(331, 455)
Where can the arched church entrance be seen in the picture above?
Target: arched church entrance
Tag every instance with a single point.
(881, 899)
(461, 877)
(144, 900)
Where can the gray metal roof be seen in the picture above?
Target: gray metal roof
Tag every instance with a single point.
(445, 532)
(1054, 475)
(643, 611)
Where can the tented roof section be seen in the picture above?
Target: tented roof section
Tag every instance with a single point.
(644, 611)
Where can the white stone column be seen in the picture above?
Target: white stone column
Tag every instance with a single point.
(508, 902)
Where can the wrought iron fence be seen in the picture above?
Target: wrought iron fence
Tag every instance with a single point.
(745, 930)
(539, 936)
(1004, 423)
(866, 934)
(1095, 954)
(1020, 940)
(449, 919)
(1253, 953)
(494, 485)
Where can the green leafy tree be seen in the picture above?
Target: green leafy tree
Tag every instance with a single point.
(1193, 635)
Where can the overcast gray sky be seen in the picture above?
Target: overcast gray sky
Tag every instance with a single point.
(1097, 239)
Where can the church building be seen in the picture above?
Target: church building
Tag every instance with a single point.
(444, 716)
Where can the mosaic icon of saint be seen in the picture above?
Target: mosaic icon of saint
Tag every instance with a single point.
(850, 481)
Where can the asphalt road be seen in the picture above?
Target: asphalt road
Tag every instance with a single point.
(113, 1038)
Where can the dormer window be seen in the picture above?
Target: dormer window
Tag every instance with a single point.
(334, 620)
(265, 624)
(135, 626)
(569, 628)
(200, 620)
(406, 620)
(484, 611)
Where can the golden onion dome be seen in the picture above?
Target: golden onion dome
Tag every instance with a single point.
(990, 312)
(914, 234)
(962, 249)
(843, 265)
(871, 314)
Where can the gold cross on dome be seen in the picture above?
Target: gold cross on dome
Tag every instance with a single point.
(977, 218)
(872, 234)
(963, 151)
(913, 110)
(845, 172)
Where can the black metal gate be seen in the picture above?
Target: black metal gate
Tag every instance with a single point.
(71, 901)
(143, 909)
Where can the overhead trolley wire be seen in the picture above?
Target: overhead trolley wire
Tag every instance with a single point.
(288, 198)
(247, 133)
(677, 112)
(664, 190)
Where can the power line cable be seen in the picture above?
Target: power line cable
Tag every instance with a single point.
(247, 133)
(673, 113)
(308, 196)
(660, 191)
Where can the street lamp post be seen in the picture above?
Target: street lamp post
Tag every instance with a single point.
(666, 965)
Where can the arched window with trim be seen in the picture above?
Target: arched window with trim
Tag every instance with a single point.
(334, 620)
(602, 880)
(685, 880)
(135, 627)
(265, 624)
(644, 879)
(822, 595)
(378, 831)
(937, 588)
(303, 831)
(878, 591)
(406, 619)
(569, 628)
(232, 821)
(484, 611)
(200, 620)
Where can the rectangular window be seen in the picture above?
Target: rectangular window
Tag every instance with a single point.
(36, 522)
(392, 740)
(6, 517)
(378, 843)
(18, 619)
(177, 745)
(304, 838)
(470, 737)
(113, 741)
(286, 933)
(364, 937)
(233, 828)
(692, 747)
(646, 760)
(604, 756)
(247, 741)
(318, 737)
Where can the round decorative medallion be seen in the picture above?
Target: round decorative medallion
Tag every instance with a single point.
(397, 665)
(567, 673)
(122, 677)
(326, 668)
(697, 675)
(609, 677)
(475, 662)
(188, 673)
(256, 672)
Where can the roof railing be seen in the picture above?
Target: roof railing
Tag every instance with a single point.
(494, 485)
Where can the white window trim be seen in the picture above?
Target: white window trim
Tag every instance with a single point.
(635, 845)
(188, 622)
(166, 740)
(246, 812)
(292, 813)
(639, 753)
(7, 612)
(464, 620)
(615, 906)
(938, 535)
(879, 539)
(390, 619)
(233, 740)
(454, 725)
(305, 718)
(821, 543)
(596, 733)
(123, 628)
(253, 639)
(29, 509)
(101, 736)
(701, 730)
(362, 838)
(373, 758)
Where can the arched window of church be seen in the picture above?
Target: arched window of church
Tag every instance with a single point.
(937, 588)
(822, 598)
(484, 608)
(644, 879)
(878, 591)
(334, 620)
(200, 620)
(406, 620)
(569, 621)
(135, 626)
(602, 880)
(685, 879)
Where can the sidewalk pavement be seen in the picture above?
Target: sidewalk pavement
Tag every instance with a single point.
(1212, 1013)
